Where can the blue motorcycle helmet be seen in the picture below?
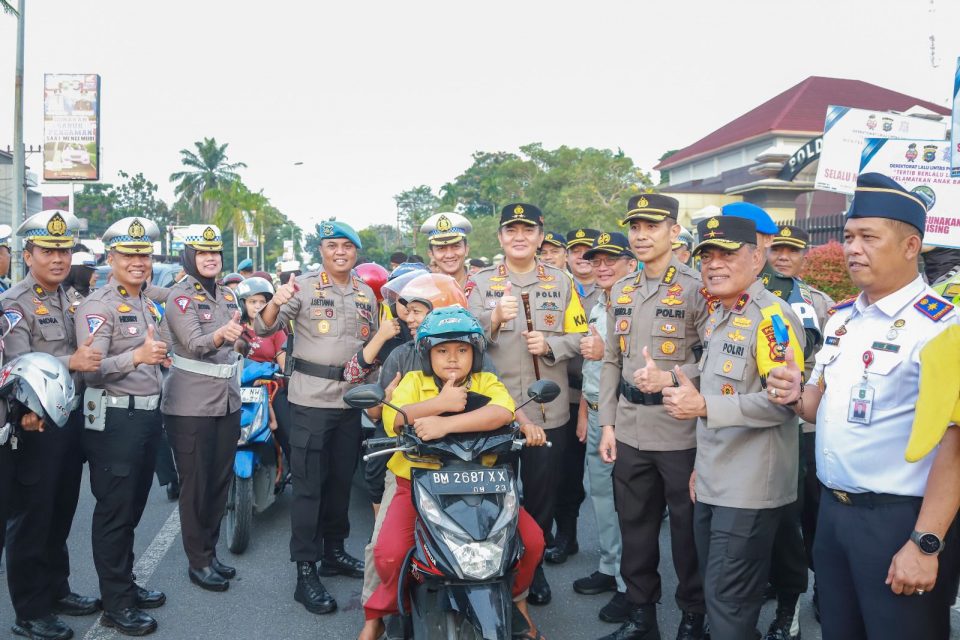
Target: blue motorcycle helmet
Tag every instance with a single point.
(450, 324)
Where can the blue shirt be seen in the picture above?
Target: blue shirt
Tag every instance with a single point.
(592, 368)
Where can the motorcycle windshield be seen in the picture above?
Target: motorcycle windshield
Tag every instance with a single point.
(469, 446)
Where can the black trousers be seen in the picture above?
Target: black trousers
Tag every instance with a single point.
(204, 448)
(788, 568)
(540, 473)
(734, 549)
(166, 468)
(48, 469)
(811, 493)
(854, 547)
(570, 492)
(324, 449)
(122, 459)
(281, 408)
(6, 486)
(643, 483)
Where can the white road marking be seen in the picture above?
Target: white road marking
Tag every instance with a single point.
(144, 567)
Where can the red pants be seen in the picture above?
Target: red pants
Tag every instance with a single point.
(396, 538)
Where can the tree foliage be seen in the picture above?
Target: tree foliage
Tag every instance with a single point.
(826, 269)
(102, 204)
(206, 170)
(414, 206)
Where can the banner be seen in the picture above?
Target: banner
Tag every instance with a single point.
(955, 135)
(287, 250)
(246, 237)
(177, 237)
(923, 167)
(845, 132)
(71, 126)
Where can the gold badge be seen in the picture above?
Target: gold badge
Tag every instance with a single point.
(668, 347)
(123, 308)
(498, 287)
(200, 298)
(728, 366)
(41, 310)
(727, 390)
(671, 301)
(581, 233)
(629, 289)
(603, 239)
(742, 322)
(785, 232)
(209, 234)
(624, 300)
(444, 224)
(623, 325)
(548, 286)
(713, 223)
(518, 211)
(668, 328)
(623, 344)
(642, 203)
(736, 336)
(228, 297)
(323, 326)
(56, 226)
(899, 324)
(39, 291)
(136, 230)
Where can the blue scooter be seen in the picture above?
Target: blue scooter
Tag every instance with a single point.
(258, 473)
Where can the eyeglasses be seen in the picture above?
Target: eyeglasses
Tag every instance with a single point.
(607, 261)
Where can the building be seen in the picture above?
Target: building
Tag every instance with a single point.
(749, 158)
(34, 198)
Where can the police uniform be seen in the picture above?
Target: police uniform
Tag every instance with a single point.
(331, 323)
(201, 405)
(48, 464)
(122, 423)
(666, 313)
(570, 494)
(556, 311)
(747, 447)
(868, 371)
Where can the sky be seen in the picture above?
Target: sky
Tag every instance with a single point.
(377, 97)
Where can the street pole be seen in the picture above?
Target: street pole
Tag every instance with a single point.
(19, 156)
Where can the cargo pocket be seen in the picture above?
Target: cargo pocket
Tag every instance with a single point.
(119, 469)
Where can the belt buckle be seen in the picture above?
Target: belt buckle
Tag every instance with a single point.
(842, 497)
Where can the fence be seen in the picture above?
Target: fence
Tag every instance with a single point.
(822, 229)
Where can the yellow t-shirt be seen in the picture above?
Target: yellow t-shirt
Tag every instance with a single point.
(416, 387)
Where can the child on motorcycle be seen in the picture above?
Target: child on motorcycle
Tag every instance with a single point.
(450, 394)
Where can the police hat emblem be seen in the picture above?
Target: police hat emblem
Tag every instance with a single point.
(581, 233)
(326, 229)
(209, 234)
(713, 223)
(785, 232)
(642, 202)
(56, 226)
(518, 211)
(603, 239)
(136, 229)
(444, 224)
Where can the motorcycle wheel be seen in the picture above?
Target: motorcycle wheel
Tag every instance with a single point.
(239, 514)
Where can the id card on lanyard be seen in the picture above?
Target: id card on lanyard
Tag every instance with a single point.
(862, 396)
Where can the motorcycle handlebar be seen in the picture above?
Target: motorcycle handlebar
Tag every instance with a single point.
(375, 443)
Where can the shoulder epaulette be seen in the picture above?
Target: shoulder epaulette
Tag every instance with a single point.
(933, 307)
(843, 304)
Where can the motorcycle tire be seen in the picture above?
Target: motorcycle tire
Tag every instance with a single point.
(239, 514)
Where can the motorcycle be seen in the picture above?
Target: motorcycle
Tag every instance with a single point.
(258, 472)
(459, 573)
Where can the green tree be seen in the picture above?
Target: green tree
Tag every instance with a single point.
(665, 175)
(414, 206)
(8, 8)
(207, 169)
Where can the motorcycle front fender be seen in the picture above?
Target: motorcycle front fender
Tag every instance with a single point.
(488, 606)
(243, 464)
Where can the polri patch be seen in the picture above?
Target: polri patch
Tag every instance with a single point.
(94, 322)
(182, 303)
(13, 317)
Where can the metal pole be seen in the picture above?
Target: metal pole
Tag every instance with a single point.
(19, 157)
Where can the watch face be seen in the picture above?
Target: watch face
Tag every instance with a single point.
(929, 543)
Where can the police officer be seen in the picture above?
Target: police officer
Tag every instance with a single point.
(787, 255)
(245, 268)
(122, 423)
(48, 463)
(570, 494)
(542, 332)
(334, 315)
(82, 267)
(5, 232)
(553, 250)
(654, 322)
(201, 400)
(747, 447)
(886, 544)
(447, 244)
(683, 246)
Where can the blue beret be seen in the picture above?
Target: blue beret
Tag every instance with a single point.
(245, 264)
(877, 196)
(761, 218)
(335, 229)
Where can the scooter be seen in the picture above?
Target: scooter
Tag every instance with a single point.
(258, 473)
(459, 573)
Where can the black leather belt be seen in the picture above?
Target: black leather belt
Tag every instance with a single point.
(318, 370)
(634, 395)
(867, 499)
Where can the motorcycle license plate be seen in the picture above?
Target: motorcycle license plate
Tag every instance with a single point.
(251, 394)
(470, 481)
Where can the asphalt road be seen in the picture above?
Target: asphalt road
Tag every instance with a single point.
(260, 602)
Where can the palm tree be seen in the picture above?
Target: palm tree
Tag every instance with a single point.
(208, 171)
(233, 202)
(8, 8)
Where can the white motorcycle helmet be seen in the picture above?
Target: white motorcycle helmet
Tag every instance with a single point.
(41, 383)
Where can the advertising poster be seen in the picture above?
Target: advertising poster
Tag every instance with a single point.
(246, 236)
(923, 167)
(955, 135)
(844, 133)
(71, 126)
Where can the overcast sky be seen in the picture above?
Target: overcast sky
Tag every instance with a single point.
(377, 97)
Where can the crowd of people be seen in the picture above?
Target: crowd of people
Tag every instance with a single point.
(702, 383)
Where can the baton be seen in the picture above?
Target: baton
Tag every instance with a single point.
(525, 297)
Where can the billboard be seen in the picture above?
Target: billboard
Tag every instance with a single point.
(922, 167)
(845, 132)
(247, 237)
(71, 126)
(955, 136)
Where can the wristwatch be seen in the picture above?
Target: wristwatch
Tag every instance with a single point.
(929, 543)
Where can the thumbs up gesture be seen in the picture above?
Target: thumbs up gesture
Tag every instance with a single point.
(651, 378)
(86, 358)
(591, 345)
(507, 308)
(684, 402)
(784, 383)
(230, 331)
(285, 293)
(152, 351)
(453, 397)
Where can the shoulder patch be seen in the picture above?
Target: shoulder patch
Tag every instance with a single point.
(94, 322)
(843, 304)
(933, 307)
(13, 316)
(182, 303)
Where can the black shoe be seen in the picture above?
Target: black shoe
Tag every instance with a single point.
(596, 582)
(336, 561)
(311, 592)
(130, 621)
(691, 626)
(539, 589)
(173, 491)
(49, 627)
(783, 627)
(642, 625)
(208, 579)
(224, 570)
(618, 610)
(563, 547)
(147, 599)
(74, 604)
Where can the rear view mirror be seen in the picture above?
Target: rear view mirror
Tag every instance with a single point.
(365, 396)
(543, 391)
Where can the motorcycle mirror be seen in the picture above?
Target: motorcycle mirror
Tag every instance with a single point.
(543, 391)
(365, 396)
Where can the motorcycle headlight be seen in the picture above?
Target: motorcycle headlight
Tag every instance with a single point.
(247, 431)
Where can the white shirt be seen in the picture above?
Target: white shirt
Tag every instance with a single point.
(858, 457)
